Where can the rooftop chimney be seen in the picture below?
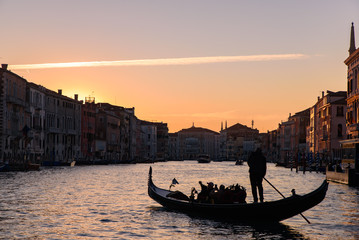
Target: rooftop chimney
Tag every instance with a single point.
(60, 91)
(76, 97)
(4, 66)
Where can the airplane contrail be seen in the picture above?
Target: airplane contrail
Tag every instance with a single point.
(163, 61)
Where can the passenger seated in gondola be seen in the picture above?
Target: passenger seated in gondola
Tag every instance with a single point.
(231, 194)
(192, 196)
(223, 195)
(206, 191)
(203, 194)
(218, 195)
(239, 194)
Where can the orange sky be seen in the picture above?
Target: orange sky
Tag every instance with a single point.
(189, 85)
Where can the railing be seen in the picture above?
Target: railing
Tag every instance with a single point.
(15, 100)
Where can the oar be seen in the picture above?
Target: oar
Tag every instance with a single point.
(284, 197)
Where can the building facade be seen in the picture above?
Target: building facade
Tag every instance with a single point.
(162, 141)
(107, 136)
(173, 147)
(88, 129)
(273, 146)
(63, 128)
(351, 145)
(148, 142)
(126, 124)
(35, 145)
(15, 117)
(292, 137)
(330, 124)
(238, 141)
(195, 140)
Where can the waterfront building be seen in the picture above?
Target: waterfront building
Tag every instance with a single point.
(351, 145)
(2, 113)
(35, 144)
(285, 132)
(14, 117)
(127, 130)
(173, 147)
(327, 126)
(132, 133)
(62, 128)
(292, 137)
(348, 170)
(273, 146)
(196, 140)
(238, 141)
(313, 124)
(352, 63)
(148, 142)
(108, 135)
(88, 129)
(162, 141)
(263, 143)
(153, 141)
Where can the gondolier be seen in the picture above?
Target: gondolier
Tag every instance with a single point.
(257, 170)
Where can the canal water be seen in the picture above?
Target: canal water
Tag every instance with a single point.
(111, 202)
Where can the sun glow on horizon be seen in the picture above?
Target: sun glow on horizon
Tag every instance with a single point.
(163, 61)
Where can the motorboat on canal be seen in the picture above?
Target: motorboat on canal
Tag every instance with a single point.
(204, 158)
(273, 211)
(239, 162)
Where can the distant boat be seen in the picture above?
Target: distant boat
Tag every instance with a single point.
(204, 158)
(145, 160)
(32, 167)
(4, 167)
(58, 163)
(239, 162)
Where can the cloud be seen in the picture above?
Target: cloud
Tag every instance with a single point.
(163, 61)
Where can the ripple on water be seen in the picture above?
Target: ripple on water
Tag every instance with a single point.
(111, 202)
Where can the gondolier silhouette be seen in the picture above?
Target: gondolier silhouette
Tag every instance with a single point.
(257, 171)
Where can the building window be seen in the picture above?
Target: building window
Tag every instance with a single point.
(340, 111)
(340, 130)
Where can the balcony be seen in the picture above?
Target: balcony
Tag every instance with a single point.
(15, 100)
(353, 127)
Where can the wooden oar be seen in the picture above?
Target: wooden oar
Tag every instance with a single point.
(284, 197)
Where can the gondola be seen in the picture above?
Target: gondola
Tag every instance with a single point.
(274, 211)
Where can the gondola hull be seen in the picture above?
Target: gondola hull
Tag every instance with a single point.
(274, 211)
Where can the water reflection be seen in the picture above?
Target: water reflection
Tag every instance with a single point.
(222, 229)
(111, 202)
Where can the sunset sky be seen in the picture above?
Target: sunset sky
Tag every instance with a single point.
(184, 62)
